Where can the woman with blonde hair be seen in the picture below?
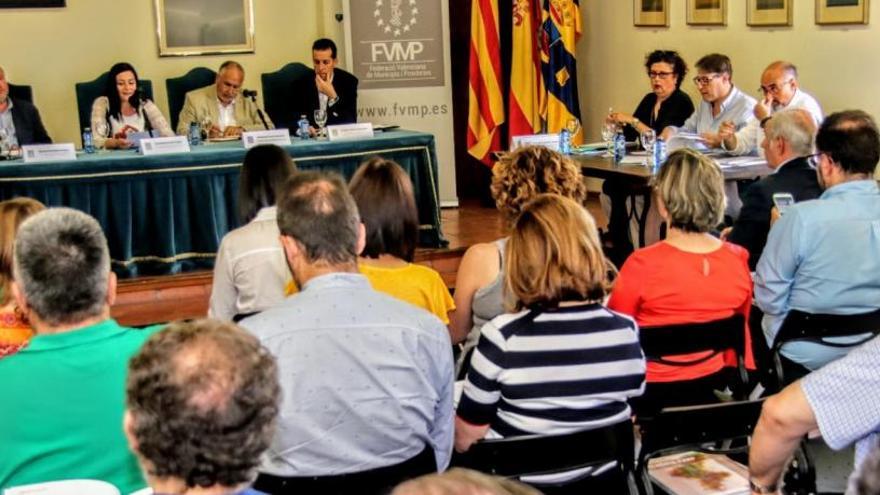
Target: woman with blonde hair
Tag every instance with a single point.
(562, 362)
(15, 331)
(517, 179)
(691, 277)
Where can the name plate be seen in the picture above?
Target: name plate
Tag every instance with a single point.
(349, 131)
(164, 145)
(279, 137)
(549, 141)
(36, 153)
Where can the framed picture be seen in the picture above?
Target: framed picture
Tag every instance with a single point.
(204, 27)
(769, 12)
(841, 11)
(26, 4)
(707, 12)
(651, 13)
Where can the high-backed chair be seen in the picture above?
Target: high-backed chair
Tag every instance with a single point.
(178, 87)
(277, 97)
(521, 457)
(87, 92)
(21, 92)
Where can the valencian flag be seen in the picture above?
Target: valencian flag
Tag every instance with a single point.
(527, 94)
(485, 101)
(561, 31)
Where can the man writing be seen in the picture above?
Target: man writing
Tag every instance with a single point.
(220, 107)
(19, 119)
(330, 89)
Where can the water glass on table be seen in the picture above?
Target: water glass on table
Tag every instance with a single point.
(320, 119)
(609, 130)
(649, 138)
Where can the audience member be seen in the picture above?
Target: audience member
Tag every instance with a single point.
(866, 479)
(251, 272)
(219, 108)
(20, 119)
(722, 101)
(63, 393)
(329, 88)
(124, 109)
(201, 404)
(15, 330)
(479, 285)
(788, 144)
(819, 254)
(458, 481)
(691, 277)
(840, 400)
(367, 378)
(384, 196)
(781, 91)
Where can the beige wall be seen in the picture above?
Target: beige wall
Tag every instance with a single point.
(55, 48)
(838, 65)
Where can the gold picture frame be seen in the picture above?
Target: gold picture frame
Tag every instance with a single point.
(204, 27)
(769, 12)
(651, 13)
(707, 12)
(842, 11)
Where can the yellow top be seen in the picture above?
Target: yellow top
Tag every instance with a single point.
(415, 284)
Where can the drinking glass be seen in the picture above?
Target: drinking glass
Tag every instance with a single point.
(206, 127)
(609, 130)
(320, 119)
(4, 142)
(648, 139)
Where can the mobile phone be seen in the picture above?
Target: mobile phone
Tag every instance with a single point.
(782, 201)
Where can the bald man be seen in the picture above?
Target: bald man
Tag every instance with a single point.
(781, 90)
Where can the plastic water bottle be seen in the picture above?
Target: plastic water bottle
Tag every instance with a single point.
(88, 141)
(659, 153)
(619, 146)
(564, 142)
(303, 125)
(195, 134)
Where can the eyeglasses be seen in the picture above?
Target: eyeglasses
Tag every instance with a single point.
(704, 80)
(814, 158)
(659, 75)
(773, 88)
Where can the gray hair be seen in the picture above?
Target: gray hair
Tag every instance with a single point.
(317, 211)
(796, 126)
(62, 264)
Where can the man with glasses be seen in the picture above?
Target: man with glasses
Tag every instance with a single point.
(722, 102)
(781, 90)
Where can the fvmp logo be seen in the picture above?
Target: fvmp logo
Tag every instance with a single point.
(396, 17)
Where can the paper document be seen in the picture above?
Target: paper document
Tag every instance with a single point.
(740, 161)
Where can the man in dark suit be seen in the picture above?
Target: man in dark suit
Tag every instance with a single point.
(788, 142)
(331, 88)
(20, 119)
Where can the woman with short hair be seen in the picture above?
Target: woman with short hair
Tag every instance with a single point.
(15, 330)
(384, 195)
(691, 277)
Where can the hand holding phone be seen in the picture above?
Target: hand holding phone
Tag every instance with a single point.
(782, 201)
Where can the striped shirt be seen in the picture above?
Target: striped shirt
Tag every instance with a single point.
(553, 372)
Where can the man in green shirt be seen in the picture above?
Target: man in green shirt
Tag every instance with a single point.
(63, 395)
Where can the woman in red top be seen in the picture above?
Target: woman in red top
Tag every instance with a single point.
(691, 277)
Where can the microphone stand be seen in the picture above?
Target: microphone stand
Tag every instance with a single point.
(253, 96)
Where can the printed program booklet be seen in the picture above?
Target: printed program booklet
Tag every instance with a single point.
(696, 473)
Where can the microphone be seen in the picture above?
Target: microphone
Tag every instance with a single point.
(252, 94)
(249, 93)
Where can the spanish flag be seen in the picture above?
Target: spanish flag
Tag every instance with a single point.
(527, 93)
(485, 101)
(561, 31)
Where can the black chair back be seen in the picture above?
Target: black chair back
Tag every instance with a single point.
(87, 92)
(21, 92)
(277, 89)
(548, 454)
(178, 87)
(688, 338)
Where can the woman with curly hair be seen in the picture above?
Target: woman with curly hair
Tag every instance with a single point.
(517, 179)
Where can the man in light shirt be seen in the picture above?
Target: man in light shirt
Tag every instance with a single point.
(220, 108)
(781, 90)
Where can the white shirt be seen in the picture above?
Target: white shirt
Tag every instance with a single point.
(227, 115)
(7, 124)
(749, 138)
(135, 121)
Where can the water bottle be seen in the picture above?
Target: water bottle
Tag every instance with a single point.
(564, 142)
(303, 125)
(619, 146)
(88, 142)
(195, 134)
(659, 153)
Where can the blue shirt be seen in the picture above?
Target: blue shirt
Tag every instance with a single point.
(738, 108)
(8, 125)
(822, 257)
(366, 379)
(844, 397)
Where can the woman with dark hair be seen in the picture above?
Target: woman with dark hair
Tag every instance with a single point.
(384, 196)
(251, 273)
(123, 110)
(666, 104)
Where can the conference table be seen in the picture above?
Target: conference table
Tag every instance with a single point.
(166, 214)
(636, 177)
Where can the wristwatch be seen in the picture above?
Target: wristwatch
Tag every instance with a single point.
(756, 487)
